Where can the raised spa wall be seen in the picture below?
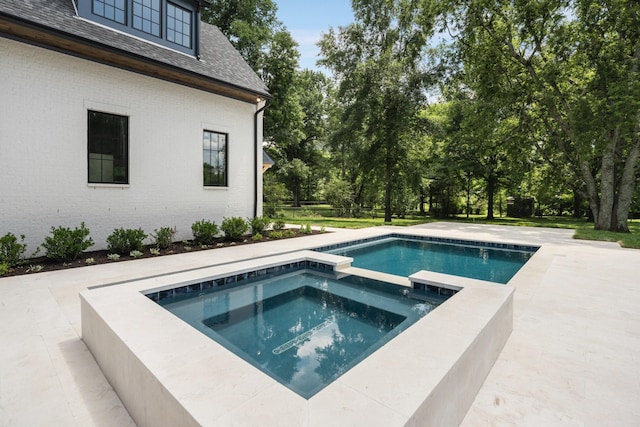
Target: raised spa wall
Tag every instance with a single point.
(168, 374)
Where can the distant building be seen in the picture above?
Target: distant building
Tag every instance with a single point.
(123, 113)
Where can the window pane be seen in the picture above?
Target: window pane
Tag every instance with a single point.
(108, 136)
(214, 159)
(109, 12)
(114, 10)
(178, 25)
(146, 16)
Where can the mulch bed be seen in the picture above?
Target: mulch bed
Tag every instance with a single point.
(41, 264)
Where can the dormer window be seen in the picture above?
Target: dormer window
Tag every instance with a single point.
(172, 23)
(146, 16)
(179, 24)
(111, 9)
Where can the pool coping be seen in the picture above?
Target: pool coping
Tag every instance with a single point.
(433, 239)
(571, 358)
(142, 348)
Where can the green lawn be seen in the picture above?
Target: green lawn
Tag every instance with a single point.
(320, 216)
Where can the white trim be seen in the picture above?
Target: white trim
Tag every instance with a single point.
(103, 185)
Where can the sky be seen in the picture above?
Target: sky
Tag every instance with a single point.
(306, 20)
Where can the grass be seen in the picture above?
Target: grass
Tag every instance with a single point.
(320, 216)
(631, 240)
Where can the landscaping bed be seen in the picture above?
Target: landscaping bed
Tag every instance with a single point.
(41, 264)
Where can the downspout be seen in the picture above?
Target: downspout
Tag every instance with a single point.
(256, 157)
(197, 37)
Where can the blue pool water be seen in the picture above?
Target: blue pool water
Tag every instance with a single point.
(404, 257)
(302, 328)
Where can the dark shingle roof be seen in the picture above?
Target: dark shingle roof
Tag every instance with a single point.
(219, 60)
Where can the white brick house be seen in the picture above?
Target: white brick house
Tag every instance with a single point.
(123, 113)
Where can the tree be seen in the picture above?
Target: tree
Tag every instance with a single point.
(283, 119)
(339, 195)
(294, 173)
(252, 27)
(576, 65)
(248, 24)
(378, 64)
(314, 92)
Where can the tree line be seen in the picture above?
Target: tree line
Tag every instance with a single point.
(453, 106)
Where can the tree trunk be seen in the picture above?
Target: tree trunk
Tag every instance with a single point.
(577, 204)
(387, 193)
(607, 186)
(468, 195)
(296, 194)
(626, 187)
(491, 188)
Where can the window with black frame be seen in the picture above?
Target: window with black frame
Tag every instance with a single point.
(215, 158)
(147, 15)
(108, 148)
(114, 10)
(170, 23)
(179, 25)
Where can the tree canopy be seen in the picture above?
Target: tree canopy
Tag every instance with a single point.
(378, 64)
(536, 99)
(573, 67)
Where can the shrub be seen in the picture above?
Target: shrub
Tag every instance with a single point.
(123, 240)
(278, 225)
(234, 228)
(306, 229)
(135, 253)
(65, 244)
(339, 195)
(163, 238)
(259, 224)
(113, 257)
(204, 232)
(276, 235)
(34, 268)
(4, 268)
(288, 233)
(12, 251)
(256, 237)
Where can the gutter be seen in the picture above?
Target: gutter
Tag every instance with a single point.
(255, 155)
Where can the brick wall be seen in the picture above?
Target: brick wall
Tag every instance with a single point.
(43, 148)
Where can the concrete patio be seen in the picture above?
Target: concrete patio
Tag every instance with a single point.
(573, 357)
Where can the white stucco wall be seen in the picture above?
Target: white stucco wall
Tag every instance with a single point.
(45, 97)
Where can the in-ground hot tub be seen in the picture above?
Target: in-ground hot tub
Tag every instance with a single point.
(303, 328)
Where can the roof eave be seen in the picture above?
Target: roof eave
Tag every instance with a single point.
(50, 38)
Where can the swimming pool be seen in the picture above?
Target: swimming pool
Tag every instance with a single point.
(168, 373)
(405, 255)
(303, 328)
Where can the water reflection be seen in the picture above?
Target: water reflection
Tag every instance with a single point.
(305, 337)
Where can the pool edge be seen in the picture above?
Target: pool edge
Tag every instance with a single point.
(116, 347)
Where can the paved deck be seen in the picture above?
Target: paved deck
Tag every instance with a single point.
(573, 357)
